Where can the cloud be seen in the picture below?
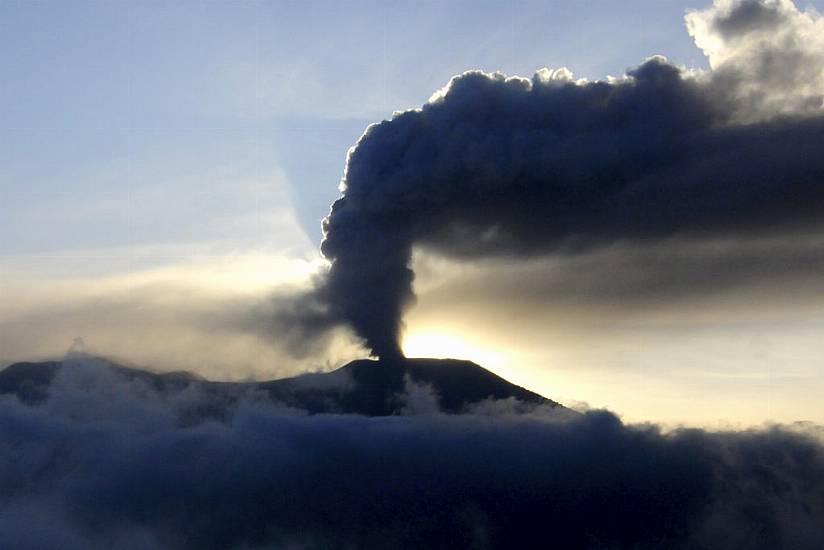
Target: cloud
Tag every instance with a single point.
(672, 274)
(230, 318)
(508, 167)
(108, 463)
(767, 57)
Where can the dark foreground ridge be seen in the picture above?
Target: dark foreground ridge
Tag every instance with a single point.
(372, 388)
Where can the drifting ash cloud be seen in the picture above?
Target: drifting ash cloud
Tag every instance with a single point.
(508, 167)
(108, 463)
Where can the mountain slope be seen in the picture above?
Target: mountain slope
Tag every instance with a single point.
(373, 388)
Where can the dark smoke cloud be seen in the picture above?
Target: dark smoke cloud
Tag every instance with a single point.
(517, 168)
(667, 275)
(106, 463)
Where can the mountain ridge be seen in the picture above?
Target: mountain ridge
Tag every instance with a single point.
(364, 386)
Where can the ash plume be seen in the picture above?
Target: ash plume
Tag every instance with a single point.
(509, 167)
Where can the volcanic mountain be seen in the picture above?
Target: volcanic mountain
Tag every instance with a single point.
(367, 387)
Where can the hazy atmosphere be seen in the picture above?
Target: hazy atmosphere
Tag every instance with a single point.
(345, 275)
(166, 168)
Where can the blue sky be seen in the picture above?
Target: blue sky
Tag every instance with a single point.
(167, 148)
(103, 100)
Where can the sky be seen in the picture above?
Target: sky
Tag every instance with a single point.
(164, 169)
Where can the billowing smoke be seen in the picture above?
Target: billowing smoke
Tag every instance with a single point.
(496, 166)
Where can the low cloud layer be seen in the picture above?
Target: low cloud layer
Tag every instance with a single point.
(507, 167)
(107, 463)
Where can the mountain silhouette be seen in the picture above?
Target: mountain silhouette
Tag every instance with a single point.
(367, 387)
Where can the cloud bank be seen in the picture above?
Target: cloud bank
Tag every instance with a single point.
(514, 168)
(109, 463)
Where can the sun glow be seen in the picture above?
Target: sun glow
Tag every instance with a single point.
(449, 345)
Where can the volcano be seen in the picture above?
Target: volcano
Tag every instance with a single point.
(366, 387)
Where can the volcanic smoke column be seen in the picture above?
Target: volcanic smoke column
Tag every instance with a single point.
(513, 168)
(368, 237)
(491, 166)
(369, 283)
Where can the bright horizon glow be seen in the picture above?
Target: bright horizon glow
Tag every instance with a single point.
(450, 345)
